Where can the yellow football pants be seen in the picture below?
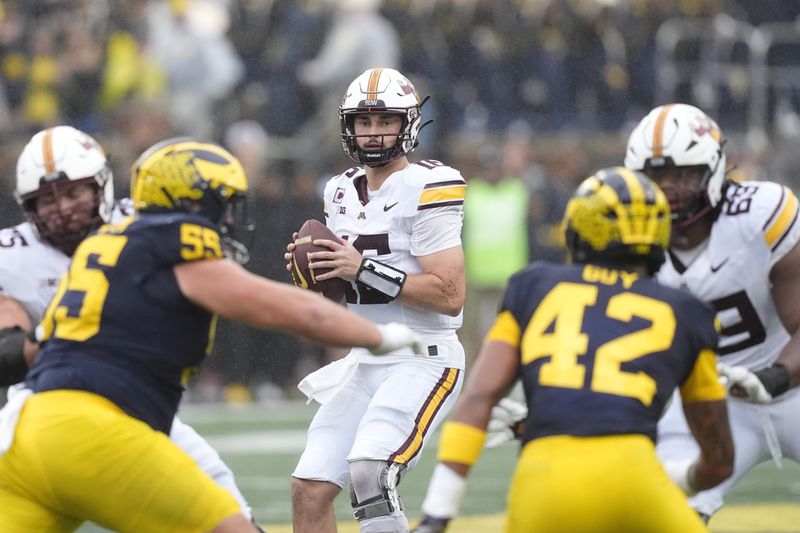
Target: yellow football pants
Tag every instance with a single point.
(610, 484)
(76, 456)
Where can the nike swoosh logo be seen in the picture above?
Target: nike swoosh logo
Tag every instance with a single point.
(714, 268)
(386, 207)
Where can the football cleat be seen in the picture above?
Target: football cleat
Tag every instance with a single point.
(430, 524)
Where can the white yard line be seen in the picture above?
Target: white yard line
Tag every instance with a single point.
(255, 442)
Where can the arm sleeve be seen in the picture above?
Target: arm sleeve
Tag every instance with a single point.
(436, 230)
(702, 384)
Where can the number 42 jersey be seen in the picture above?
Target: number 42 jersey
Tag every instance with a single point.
(757, 226)
(602, 350)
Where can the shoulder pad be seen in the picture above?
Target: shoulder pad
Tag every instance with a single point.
(19, 235)
(760, 208)
(781, 219)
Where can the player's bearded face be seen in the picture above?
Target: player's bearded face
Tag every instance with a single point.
(377, 132)
(67, 209)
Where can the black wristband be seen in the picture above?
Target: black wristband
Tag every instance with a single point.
(776, 379)
(13, 366)
(381, 277)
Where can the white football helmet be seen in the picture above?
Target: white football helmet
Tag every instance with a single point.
(680, 135)
(54, 160)
(381, 90)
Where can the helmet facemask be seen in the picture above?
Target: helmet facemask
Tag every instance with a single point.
(687, 194)
(53, 226)
(391, 144)
(237, 230)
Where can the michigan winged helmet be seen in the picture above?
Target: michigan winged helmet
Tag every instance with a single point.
(186, 175)
(618, 216)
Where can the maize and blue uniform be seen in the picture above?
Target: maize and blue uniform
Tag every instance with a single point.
(121, 342)
(601, 351)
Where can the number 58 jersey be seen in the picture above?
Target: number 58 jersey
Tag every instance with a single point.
(416, 212)
(757, 226)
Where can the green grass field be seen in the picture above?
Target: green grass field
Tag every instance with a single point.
(261, 443)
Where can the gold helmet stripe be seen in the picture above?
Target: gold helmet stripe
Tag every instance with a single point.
(372, 86)
(658, 131)
(47, 151)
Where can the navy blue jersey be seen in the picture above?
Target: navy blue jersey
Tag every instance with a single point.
(602, 350)
(119, 325)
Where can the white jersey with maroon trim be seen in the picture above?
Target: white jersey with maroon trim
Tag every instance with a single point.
(30, 269)
(756, 227)
(417, 211)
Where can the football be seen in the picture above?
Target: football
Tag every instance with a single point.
(333, 289)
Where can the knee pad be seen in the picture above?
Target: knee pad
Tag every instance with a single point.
(396, 523)
(373, 490)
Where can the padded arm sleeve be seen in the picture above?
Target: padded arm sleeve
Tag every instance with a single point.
(12, 361)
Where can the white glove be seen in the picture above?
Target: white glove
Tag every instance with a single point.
(506, 414)
(395, 336)
(678, 471)
(745, 381)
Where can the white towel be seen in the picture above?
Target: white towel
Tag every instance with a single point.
(9, 416)
(323, 384)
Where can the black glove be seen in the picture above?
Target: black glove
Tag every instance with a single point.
(775, 378)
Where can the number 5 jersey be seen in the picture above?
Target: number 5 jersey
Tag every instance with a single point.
(119, 326)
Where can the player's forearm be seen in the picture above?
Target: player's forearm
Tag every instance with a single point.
(432, 293)
(790, 359)
(708, 422)
(13, 314)
(229, 290)
(324, 321)
(270, 304)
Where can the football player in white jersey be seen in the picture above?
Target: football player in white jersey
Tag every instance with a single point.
(734, 245)
(400, 225)
(65, 189)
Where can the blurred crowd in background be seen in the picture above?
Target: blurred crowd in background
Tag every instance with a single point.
(528, 97)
